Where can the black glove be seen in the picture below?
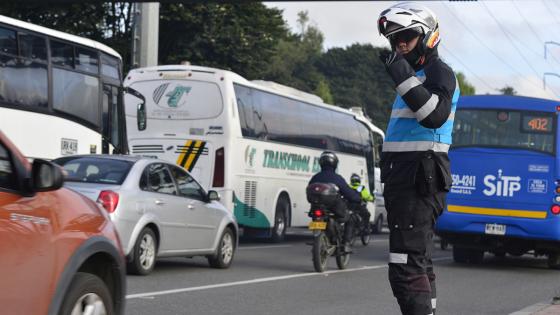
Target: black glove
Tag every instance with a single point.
(388, 57)
(397, 67)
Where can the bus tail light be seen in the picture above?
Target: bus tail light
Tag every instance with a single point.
(555, 209)
(218, 180)
(109, 200)
(557, 189)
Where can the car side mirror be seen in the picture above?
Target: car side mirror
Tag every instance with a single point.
(45, 176)
(213, 195)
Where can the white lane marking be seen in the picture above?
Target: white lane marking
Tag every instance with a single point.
(266, 246)
(259, 280)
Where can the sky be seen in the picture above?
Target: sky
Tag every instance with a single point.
(494, 43)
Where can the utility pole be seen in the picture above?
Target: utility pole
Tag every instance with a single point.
(145, 34)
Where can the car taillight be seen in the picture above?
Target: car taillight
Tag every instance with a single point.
(555, 209)
(318, 213)
(218, 180)
(109, 200)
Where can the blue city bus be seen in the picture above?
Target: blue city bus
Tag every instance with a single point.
(505, 166)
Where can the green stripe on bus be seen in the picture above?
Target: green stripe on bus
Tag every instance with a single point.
(249, 216)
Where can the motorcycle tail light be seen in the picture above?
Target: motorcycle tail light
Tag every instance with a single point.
(318, 213)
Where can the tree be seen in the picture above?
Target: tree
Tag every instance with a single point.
(238, 37)
(358, 79)
(508, 90)
(465, 87)
(294, 63)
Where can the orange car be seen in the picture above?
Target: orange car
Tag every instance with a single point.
(59, 252)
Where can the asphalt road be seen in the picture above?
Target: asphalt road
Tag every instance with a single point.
(279, 279)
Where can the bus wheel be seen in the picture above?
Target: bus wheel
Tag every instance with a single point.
(280, 220)
(554, 260)
(467, 255)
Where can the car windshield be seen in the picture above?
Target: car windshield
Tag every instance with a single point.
(94, 170)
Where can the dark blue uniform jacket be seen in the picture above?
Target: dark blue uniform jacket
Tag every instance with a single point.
(328, 175)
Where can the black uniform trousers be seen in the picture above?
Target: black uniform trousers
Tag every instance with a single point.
(411, 217)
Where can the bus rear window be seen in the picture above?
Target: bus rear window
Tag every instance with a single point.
(178, 99)
(504, 128)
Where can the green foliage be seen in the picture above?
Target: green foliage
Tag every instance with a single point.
(465, 87)
(357, 78)
(294, 61)
(508, 90)
(238, 37)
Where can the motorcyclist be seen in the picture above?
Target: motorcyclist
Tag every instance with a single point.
(329, 162)
(356, 184)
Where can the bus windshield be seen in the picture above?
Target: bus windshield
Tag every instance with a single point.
(526, 130)
(179, 99)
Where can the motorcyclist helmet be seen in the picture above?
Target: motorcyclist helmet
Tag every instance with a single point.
(328, 159)
(355, 179)
(404, 21)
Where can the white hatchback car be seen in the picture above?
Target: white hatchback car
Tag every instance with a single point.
(159, 209)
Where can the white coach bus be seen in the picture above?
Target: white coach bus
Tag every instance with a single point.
(59, 93)
(255, 142)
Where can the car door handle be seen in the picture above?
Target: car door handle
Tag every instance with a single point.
(159, 202)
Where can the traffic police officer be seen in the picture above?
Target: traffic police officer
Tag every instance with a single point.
(415, 166)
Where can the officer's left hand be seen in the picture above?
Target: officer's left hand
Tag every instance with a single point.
(395, 64)
(388, 57)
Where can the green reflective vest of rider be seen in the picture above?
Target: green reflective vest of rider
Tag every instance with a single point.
(364, 193)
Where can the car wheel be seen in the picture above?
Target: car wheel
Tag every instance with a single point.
(144, 253)
(280, 220)
(225, 251)
(87, 294)
(467, 255)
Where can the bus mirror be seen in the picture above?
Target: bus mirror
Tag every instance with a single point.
(141, 116)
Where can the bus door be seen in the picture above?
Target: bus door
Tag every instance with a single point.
(112, 119)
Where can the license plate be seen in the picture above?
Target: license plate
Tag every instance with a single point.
(317, 225)
(495, 229)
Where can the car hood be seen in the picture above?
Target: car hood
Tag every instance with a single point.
(90, 190)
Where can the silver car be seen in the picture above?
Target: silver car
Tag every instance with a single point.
(159, 209)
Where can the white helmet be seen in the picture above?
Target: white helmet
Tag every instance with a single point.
(410, 16)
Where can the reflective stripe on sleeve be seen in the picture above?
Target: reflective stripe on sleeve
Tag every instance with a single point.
(398, 258)
(408, 84)
(407, 146)
(434, 303)
(427, 108)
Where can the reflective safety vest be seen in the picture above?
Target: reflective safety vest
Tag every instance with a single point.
(405, 134)
(364, 193)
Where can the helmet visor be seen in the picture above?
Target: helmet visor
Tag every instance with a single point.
(387, 27)
(404, 36)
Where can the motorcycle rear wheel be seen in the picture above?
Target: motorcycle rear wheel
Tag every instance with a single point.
(320, 252)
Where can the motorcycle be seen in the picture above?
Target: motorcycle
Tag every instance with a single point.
(328, 230)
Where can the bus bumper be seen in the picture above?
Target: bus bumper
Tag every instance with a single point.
(521, 235)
